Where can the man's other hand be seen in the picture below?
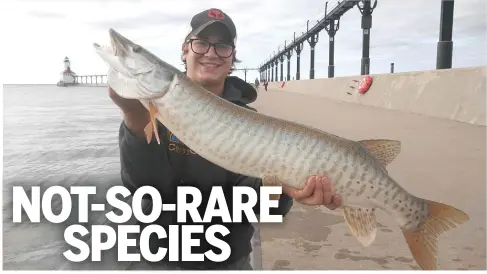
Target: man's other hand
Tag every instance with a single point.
(319, 190)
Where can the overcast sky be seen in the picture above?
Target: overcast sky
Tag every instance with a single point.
(37, 35)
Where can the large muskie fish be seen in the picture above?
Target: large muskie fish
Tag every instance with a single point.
(278, 151)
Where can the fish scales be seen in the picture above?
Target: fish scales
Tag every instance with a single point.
(262, 141)
(278, 151)
(264, 145)
(260, 135)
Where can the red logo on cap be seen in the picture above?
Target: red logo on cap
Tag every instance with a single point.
(216, 14)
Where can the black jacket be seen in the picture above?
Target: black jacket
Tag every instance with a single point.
(173, 164)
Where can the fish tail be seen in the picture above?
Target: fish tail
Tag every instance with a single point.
(424, 241)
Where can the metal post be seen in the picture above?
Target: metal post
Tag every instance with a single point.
(281, 58)
(289, 53)
(267, 73)
(272, 71)
(298, 48)
(298, 61)
(366, 10)
(277, 63)
(332, 29)
(312, 40)
(445, 43)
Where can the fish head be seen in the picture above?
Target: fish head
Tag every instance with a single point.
(138, 73)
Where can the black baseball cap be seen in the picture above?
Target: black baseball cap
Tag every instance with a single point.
(207, 17)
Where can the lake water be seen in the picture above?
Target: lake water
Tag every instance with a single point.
(61, 136)
(55, 136)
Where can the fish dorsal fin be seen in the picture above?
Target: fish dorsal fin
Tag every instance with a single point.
(385, 151)
(362, 223)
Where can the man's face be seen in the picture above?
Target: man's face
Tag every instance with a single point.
(209, 68)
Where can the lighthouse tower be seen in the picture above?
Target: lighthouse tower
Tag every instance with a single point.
(68, 77)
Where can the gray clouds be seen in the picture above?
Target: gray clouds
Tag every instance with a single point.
(47, 15)
(150, 19)
(403, 32)
(141, 21)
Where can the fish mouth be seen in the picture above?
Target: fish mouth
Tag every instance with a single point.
(153, 75)
(120, 44)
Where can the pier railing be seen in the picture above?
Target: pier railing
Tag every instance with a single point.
(95, 79)
(329, 20)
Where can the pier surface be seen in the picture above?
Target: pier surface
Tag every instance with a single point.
(442, 159)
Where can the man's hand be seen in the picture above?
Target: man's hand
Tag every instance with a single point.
(136, 117)
(317, 191)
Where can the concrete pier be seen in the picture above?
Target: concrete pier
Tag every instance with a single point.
(439, 117)
(458, 94)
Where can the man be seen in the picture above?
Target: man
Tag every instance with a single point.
(209, 55)
(266, 83)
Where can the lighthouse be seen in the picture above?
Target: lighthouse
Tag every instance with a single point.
(68, 77)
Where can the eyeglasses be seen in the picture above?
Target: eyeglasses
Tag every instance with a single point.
(200, 46)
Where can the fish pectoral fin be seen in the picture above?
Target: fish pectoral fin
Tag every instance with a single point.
(151, 127)
(148, 132)
(268, 180)
(385, 151)
(362, 223)
(423, 242)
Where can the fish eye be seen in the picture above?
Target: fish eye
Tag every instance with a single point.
(136, 49)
